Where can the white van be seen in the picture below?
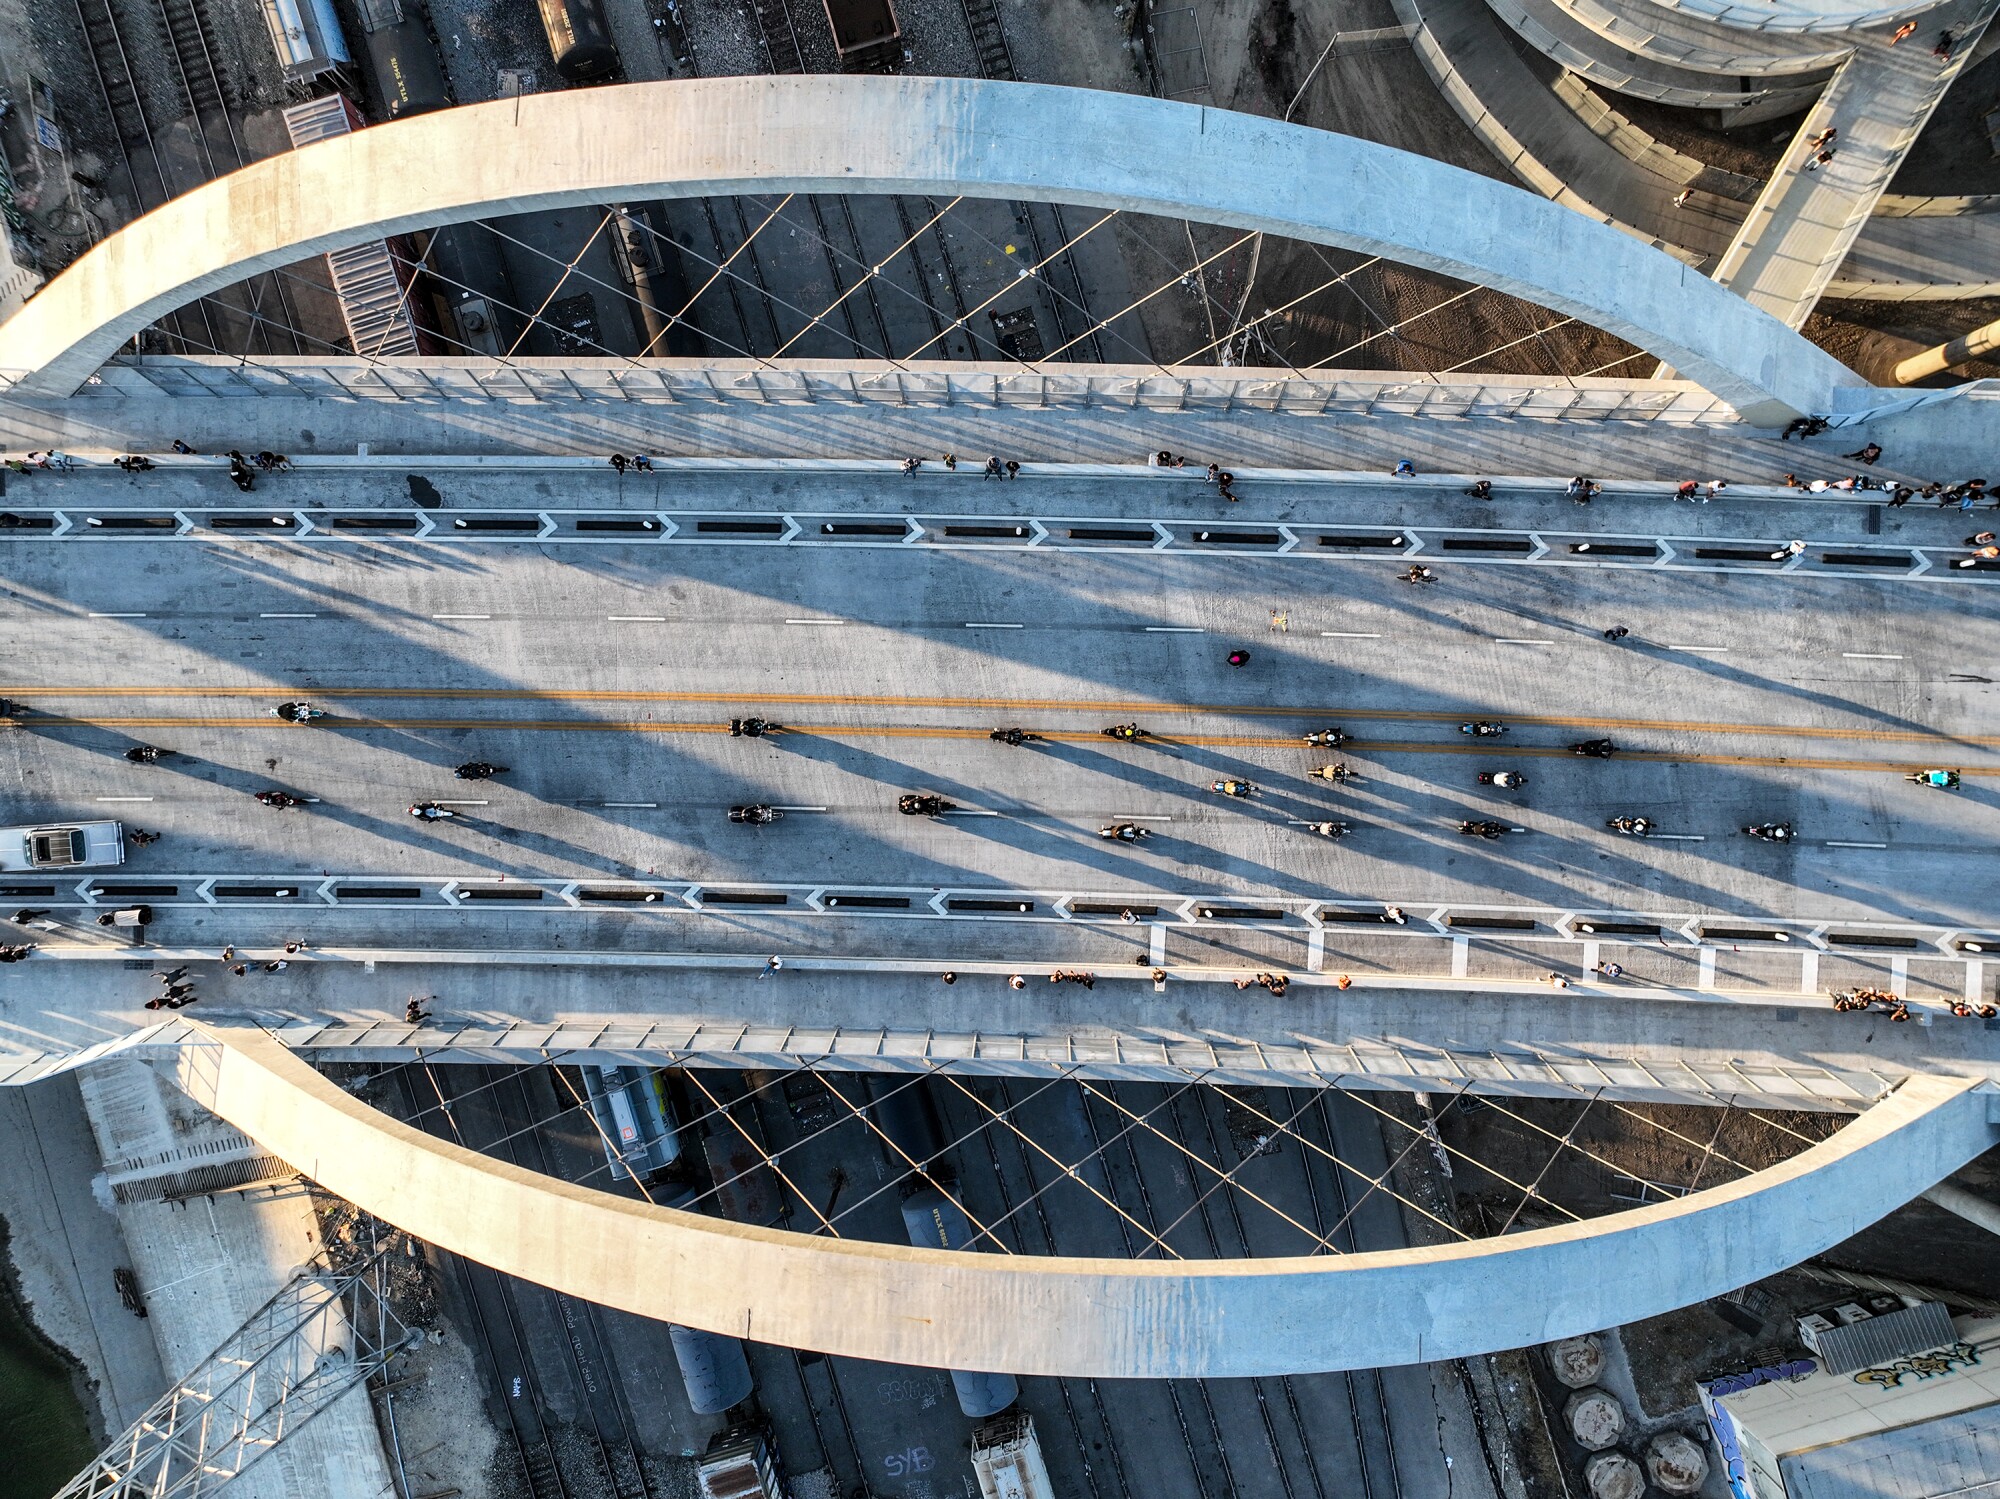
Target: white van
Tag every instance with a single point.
(76, 845)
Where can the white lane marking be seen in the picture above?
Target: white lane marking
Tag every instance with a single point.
(94, 615)
(1809, 972)
(1975, 982)
(1899, 975)
(1175, 630)
(461, 616)
(1157, 951)
(1680, 837)
(968, 812)
(1350, 635)
(815, 621)
(1316, 949)
(631, 804)
(1837, 843)
(1516, 640)
(1868, 656)
(443, 803)
(1140, 817)
(288, 616)
(637, 619)
(122, 798)
(1705, 975)
(774, 808)
(1461, 956)
(1707, 650)
(979, 625)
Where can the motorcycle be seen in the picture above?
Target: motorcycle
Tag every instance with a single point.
(1506, 780)
(1015, 737)
(1126, 731)
(1596, 749)
(1326, 739)
(1637, 827)
(297, 712)
(143, 754)
(758, 815)
(913, 805)
(479, 770)
(1481, 829)
(278, 799)
(1328, 829)
(1771, 832)
(1125, 832)
(1335, 772)
(1483, 729)
(430, 812)
(752, 728)
(1232, 788)
(1940, 780)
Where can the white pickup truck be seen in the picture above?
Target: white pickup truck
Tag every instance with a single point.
(74, 845)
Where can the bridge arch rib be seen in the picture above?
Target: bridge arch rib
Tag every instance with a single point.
(830, 134)
(1083, 1317)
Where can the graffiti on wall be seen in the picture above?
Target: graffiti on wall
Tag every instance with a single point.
(1920, 1366)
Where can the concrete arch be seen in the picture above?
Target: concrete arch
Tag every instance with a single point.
(1099, 1318)
(908, 135)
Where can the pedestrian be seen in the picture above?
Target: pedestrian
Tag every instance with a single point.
(1945, 42)
(771, 966)
(1984, 554)
(1128, 916)
(1908, 28)
(1242, 984)
(1558, 980)
(620, 462)
(1980, 539)
(1088, 980)
(1404, 469)
(1819, 161)
(172, 975)
(155, 1002)
(1868, 453)
(1013, 469)
(1279, 985)
(910, 466)
(1681, 197)
(1395, 914)
(1611, 970)
(292, 947)
(1824, 138)
(1238, 657)
(1789, 549)
(1228, 493)
(240, 969)
(141, 837)
(1713, 488)
(1687, 489)
(641, 464)
(25, 915)
(1903, 495)
(992, 469)
(1015, 981)
(1161, 459)
(950, 461)
(948, 976)
(229, 952)
(182, 448)
(1344, 982)
(277, 965)
(1214, 473)
(1617, 632)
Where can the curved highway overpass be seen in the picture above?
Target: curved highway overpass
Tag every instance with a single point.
(909, 135)
(1093, 1318)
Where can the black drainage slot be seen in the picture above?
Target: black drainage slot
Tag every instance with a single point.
(741, 527)
(1866, 559)
(861, 528)
(986, 531)
(1486, 544)
(618, 525)
(125, 890)
(496, 523)
(251, 522)
(28, 523)
(500, 892)
(1018, 907)
(1239, 538)
(375, 523)
(1979, 565)
(870, 902)
(1742, 934)
(379, 892)
(51, 890)
(1863, 939)
(254, 892)
(1613, 549)
(635, 897)
(1110, 908)
(1358, 918)
(1111, 533)
(1493, 923)
(1364, 541)
(744, 897)
(1740, 554)
(1619, 928)
(1240, 913)
(131, 522)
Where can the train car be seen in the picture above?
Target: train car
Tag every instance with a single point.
(630, 1107)
(714, 1368)
(307, 36)
(402, 59)
(580, 38)
(934, 1221)
(866, 35)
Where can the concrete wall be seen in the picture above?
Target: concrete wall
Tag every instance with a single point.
(909, 135)
(1099, 1318)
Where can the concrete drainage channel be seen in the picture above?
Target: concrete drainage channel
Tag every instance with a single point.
(1847, 557)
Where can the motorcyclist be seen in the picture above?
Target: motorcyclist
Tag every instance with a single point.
(1771, 832)
(1473, 828)
(143, 754)
(1126, 731)
(297, 712)
(754, 813)
(1418, 574)
(1232, 787)
(1326, 738)
(752, 728)
(1596, 749)
(1327, 829)
(1482, 728)
(1337, 771)
(911, 804)
(1506, 780)
(479, 770)
(1125, 832)
(277, 799)
(1639, 827)
(430, 811)
(1015, 737)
